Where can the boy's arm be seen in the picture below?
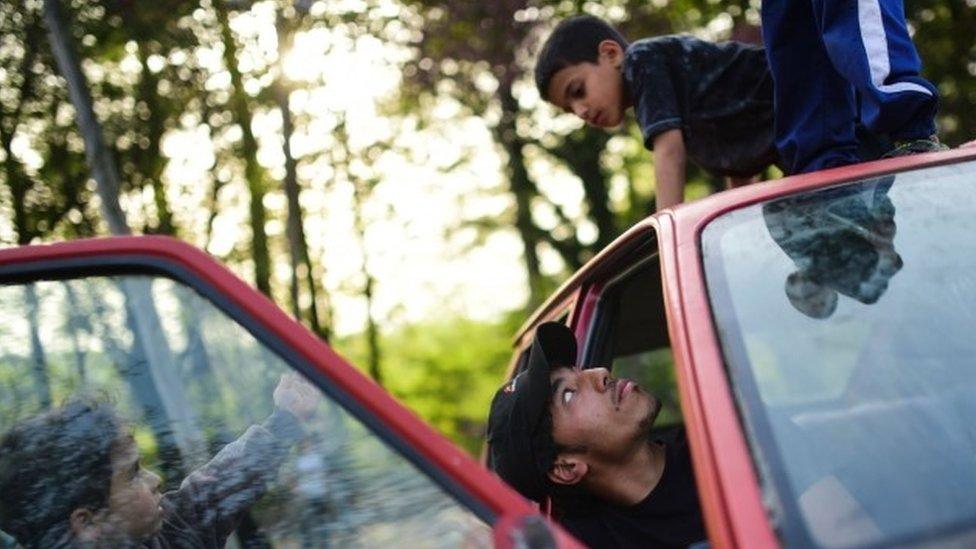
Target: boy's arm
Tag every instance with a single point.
(669, 168)
(211, 499)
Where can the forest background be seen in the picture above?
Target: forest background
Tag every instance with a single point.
(382, 169)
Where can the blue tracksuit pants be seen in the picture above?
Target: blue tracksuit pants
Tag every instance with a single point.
(837, 62)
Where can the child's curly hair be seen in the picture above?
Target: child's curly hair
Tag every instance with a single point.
(52, 464)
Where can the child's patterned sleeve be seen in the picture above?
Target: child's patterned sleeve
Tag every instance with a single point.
(211, 499)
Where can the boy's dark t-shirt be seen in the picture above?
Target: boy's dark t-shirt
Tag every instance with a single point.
(670, 516)
(719, 95)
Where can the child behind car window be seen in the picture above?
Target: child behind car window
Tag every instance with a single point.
(72, 477)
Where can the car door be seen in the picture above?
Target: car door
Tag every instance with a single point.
(190, 360)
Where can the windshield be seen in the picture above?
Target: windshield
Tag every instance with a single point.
(846, 319)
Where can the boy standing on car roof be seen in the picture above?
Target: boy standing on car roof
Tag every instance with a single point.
(583, 438)
(839, 62)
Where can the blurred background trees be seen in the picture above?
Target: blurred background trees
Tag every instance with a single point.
(304, 142)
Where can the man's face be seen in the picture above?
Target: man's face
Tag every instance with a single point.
(606, 415)
(134, 497)
(592, 91)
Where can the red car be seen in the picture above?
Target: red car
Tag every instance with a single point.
(814, 335)
(190, 357)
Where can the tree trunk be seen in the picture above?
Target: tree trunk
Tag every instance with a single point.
(214, 206)
(293, 227)
(584, 159)
(18, 183)
(522, 189)
(152, 165)
(76, 325)
(42, 385)
(100, 158)
(149, 344)
(145, 393)
(300, 260)
(321, 325)
(253, 173)
(151, 349)
(374, 357)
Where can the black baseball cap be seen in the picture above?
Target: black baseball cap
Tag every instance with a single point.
(518, 408)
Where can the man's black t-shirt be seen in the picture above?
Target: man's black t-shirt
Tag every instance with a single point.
(719, 95)
(669, 516)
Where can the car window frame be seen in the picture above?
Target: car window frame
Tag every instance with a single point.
(781, 501)
(160, 256)
(596, 329)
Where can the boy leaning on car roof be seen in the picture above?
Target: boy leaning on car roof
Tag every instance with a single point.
(693, 100)
(583, 439)
(837, 101)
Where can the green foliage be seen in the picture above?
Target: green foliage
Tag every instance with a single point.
(445, 370)
(47, 190)
(945, 43)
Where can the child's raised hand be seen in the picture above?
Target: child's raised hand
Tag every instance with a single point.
(296, 395)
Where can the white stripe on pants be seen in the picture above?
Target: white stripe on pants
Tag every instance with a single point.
(876, 46)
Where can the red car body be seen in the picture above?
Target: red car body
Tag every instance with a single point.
(726, 473)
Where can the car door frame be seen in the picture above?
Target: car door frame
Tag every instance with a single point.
(726, 479)
(455, 472)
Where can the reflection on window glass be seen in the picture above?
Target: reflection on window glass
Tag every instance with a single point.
(846, 317)
(133, 409)
(654, 371)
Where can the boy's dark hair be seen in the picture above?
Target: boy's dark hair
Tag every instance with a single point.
(573, 41)
(54, 463)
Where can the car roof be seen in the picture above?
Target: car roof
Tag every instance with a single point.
(691, 217)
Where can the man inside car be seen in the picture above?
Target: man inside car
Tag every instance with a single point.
(583, 439)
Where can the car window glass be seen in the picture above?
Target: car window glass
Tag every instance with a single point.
(845, 316)
(188, 383)
(629, 335)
